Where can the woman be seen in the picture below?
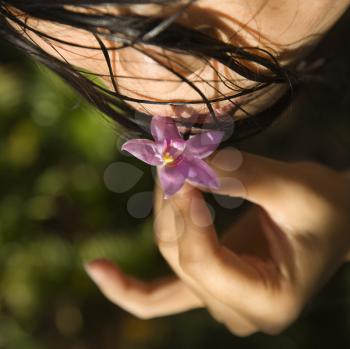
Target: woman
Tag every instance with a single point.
(207, 64)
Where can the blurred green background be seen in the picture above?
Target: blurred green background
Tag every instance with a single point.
(60, 206)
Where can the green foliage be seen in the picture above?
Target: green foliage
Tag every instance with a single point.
(56, 212)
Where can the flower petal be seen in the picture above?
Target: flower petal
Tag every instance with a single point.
(164, 128)
(201, 173)
(143, 149)
(172, 178)
(202, 145)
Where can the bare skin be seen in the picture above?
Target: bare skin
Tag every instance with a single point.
(289, 29)
(265, 268)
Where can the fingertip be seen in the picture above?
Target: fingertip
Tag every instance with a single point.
(193, 207)
(94, 273)
(184, 198)
(186, 192)
(96, 263)
(100, 269)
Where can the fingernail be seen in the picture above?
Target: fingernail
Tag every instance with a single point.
(200, 214)
(184, 191)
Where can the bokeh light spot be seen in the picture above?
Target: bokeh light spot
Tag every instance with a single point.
(140, 205)
(120, 177)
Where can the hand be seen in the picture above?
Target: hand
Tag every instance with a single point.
(265, 268)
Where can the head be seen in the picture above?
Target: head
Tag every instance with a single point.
(205, 63)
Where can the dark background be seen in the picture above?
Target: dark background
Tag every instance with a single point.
(61, 204)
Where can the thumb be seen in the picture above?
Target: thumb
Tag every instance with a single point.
(255, 178)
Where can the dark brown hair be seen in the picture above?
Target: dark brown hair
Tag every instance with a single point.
(253, 64)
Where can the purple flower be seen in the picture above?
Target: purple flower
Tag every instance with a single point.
(177, 160)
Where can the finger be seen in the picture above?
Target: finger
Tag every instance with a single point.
(216, 269)
(145, 300)
(158, 198)
(168, 243)
(168, 228)
(255, 178)
(165, 227)
(198, 240)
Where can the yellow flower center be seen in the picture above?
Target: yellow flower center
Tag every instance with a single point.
(168, 159)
